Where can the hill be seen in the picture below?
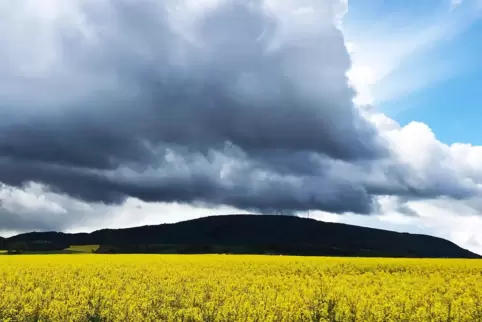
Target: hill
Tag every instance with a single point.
(257, 234)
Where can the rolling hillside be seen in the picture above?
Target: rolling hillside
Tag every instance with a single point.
(257, 234)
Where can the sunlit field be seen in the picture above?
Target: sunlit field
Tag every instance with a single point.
(237, 288)
(83, 248)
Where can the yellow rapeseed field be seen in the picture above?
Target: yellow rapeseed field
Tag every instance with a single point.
(237, 288)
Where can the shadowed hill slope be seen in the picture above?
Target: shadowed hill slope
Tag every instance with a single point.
(259, 234)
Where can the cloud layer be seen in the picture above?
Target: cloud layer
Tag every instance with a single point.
(234, 102)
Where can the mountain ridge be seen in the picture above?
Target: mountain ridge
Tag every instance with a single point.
(257, 234)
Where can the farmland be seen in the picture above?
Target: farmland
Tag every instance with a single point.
(237, 288)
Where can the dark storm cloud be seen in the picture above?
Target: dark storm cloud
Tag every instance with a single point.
(212, 179)
(395, 178)
(239, 105)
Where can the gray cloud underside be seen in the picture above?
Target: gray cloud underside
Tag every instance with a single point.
(238, 105)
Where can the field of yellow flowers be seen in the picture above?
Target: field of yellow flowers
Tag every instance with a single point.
(237, 288)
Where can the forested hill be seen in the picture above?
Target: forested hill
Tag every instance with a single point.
(257, 234)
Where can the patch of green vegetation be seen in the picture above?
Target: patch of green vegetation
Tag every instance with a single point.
(47, 252)
(82, 248)
(73, 249)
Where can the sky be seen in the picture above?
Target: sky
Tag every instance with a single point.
(425, 57)
(116, 113)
